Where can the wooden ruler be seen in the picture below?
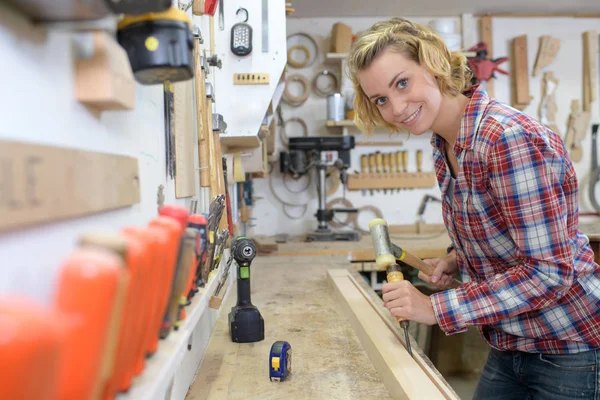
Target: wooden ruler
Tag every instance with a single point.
(40, 184)
(184, 139)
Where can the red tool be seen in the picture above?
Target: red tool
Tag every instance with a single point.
(210, 7)
(173, 228)
(483, 68)
(31, 346)
(200, 223)
(89, 298)
(133, 252)
(178, 298)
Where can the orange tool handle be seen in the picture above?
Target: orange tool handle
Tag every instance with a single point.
(31, 344)
(89, 298)
(175, 232)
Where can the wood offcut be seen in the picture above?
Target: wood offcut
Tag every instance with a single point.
(40, 184)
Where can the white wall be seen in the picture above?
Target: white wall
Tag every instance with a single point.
(401, 208)
(38, 105)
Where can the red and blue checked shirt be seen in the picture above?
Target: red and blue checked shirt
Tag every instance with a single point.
(530, 280)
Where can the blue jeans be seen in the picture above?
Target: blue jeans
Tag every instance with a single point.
(526, 376)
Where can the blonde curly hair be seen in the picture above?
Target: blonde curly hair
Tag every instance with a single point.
(416, 42)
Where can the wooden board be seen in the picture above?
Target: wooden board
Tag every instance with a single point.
(422, 246)
(184, 139)
(520, 73)
(297, 305)
(486, 37)
(391, 181)
(39, 184)
(548, 48)
(404, 376)
(590, 68)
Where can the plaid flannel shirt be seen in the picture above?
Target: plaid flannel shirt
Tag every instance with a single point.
(530, 280)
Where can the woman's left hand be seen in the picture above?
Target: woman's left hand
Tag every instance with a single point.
(405, 301)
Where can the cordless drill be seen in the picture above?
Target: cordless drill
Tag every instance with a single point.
(246, 325)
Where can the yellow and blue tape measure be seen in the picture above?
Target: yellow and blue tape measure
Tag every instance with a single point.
(280, 361)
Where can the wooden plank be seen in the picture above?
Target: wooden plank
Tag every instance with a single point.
(39, 184)
(547, 51)
(590, 68)
(404, 376)
(520, 73)
(486, 37)
(183, 126)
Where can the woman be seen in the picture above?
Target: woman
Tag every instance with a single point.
(510, 203)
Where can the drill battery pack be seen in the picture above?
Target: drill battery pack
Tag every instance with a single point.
(160, 46)
(246, 325)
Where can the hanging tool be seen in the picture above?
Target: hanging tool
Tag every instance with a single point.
(200, 223)
(222, 15)
(159, 46)
(280, 361)
(178, 297)
(91, 289)
(265, 26)
(483, 68)
(246, 325)
(214, 216)
(31, 348)
(241, 36)
(216, 299)
(135, 257)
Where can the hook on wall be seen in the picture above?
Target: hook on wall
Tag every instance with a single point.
(242, 9)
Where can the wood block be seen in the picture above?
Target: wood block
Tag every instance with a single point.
(198, 7)
(184, 139)
(341, 38)
(251, 78)
(105, 81)
(520, 75)
(546, 54)
(404, 377)
(39, 184)
(590, 68)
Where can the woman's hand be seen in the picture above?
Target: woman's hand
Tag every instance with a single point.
(405, 301)
(445, 270)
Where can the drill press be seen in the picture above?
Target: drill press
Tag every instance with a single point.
(246, 325)
(321, 152)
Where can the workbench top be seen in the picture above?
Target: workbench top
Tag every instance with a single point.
(427, 245)
(298, 306)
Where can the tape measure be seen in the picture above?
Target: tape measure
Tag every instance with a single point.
(280, 361)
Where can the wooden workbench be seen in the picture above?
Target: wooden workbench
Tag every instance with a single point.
(426, 245)
(299, 306)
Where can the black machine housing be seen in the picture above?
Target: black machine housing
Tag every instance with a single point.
(321, 152)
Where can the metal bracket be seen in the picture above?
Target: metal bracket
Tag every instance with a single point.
(218, 124)
(210, 92)
(215, 61)
(198, 33)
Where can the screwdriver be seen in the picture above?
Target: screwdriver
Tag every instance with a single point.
(394, 275)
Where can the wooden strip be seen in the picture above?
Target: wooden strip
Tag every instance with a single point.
(184, 139)
(520, 73)
(391, 181)
(405, 377)
(547, 52)
(200, 81)
(486, 37)
(39, 184)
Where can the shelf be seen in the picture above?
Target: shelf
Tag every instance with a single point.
(240, 141)
(171, 370)
(391, 181)
(336, 56)
(346, 122)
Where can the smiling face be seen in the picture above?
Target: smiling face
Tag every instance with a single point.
(405, 93)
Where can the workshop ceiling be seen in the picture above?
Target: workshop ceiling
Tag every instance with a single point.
(435, 8)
